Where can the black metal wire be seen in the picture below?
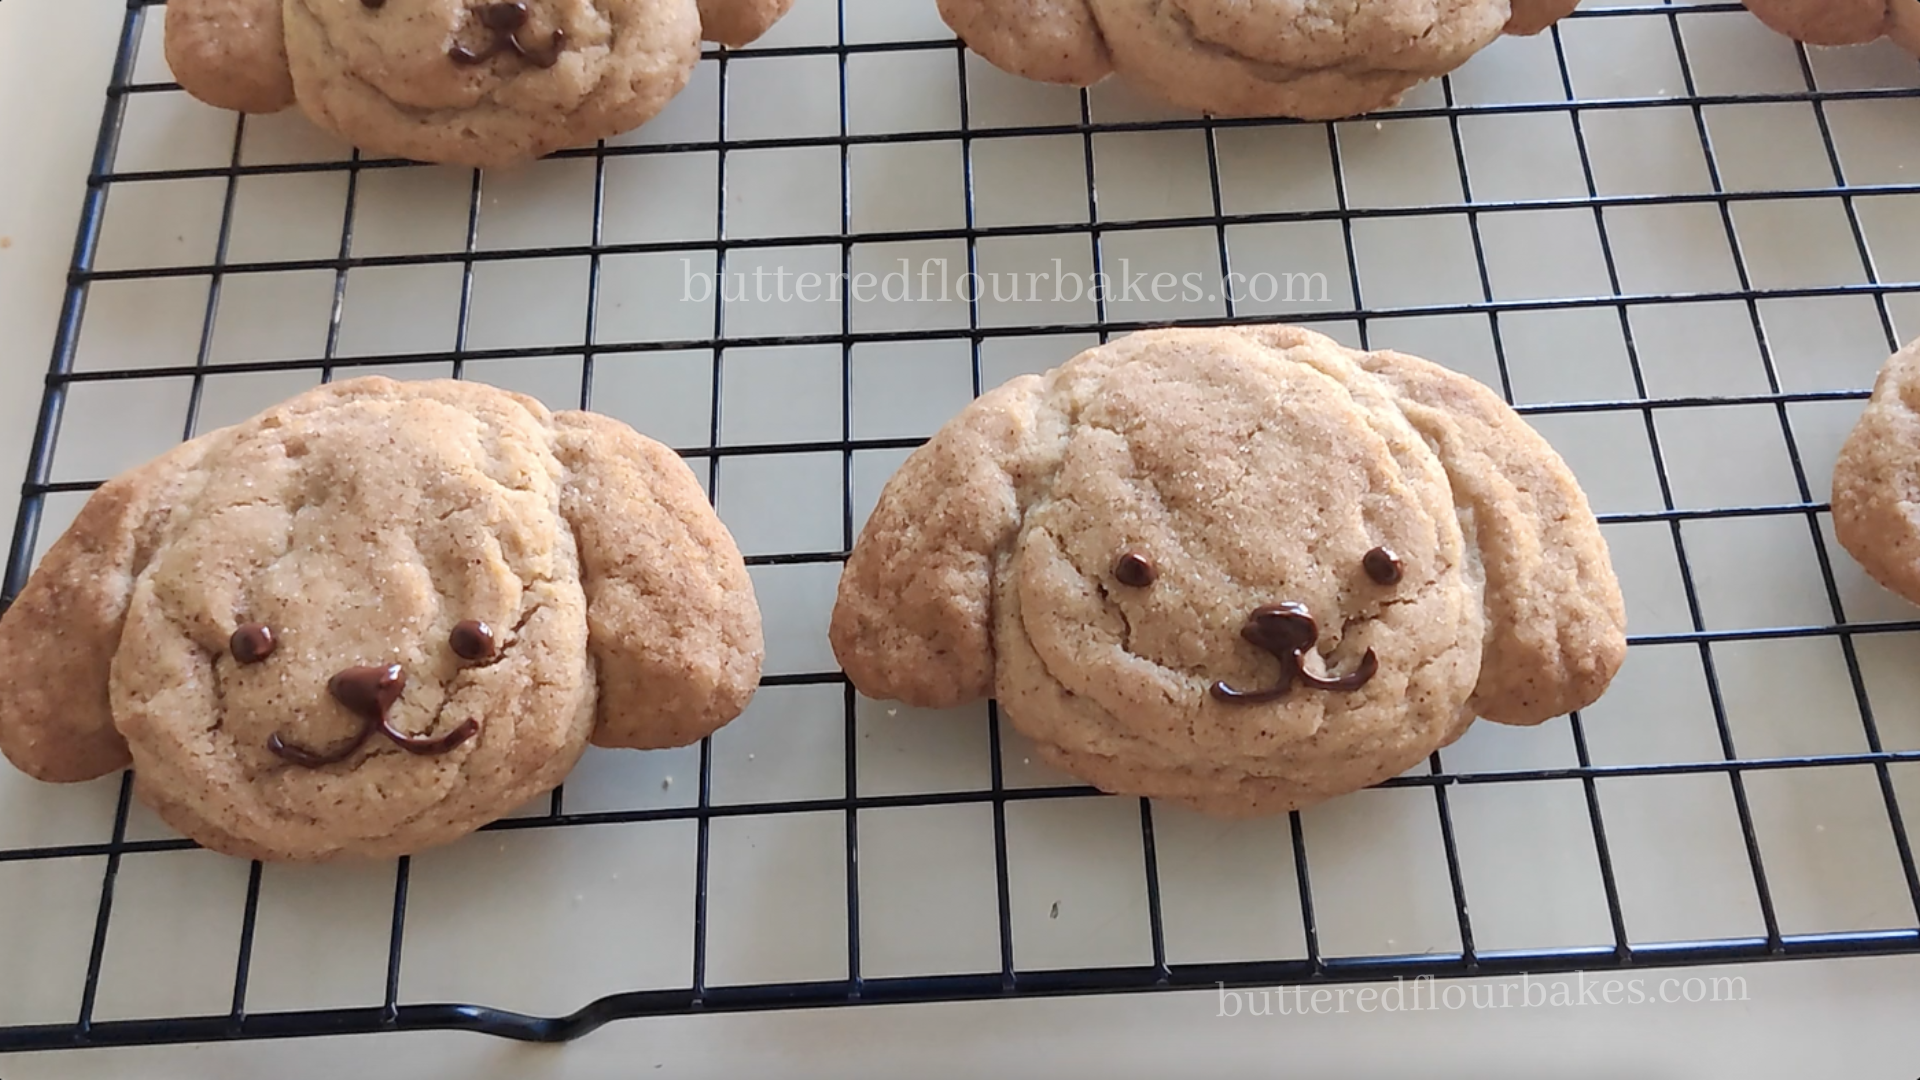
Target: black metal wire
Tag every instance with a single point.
(1008, 979)
(1902, 844)
(1734, 779)
(849, 700)
(996, 761)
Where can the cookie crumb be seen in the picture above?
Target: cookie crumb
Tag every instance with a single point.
(667, 783)
(893, 712)
(5, 242)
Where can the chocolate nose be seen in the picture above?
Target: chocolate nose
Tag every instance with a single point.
(504, 18)
(1282, 629)
(506, 21)
(368, 692)
(1289, 633)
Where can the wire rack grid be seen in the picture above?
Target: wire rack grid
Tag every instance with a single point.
(1673, 240)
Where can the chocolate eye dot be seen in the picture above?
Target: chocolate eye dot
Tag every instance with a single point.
(472, 640)
(252, 643)
(1135, 570)
(1383, 566)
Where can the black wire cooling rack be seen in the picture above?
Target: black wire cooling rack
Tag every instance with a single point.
(1010, 979)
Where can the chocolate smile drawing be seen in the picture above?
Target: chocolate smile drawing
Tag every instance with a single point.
(1289, 633)
(369, 693)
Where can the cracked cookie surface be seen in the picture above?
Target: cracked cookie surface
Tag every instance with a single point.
(1245, 571)
(1311, 59)
(537, 580)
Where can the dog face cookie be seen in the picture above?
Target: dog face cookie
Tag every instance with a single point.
(470, 82)
(375, 618)
(1312, 59)
(1843, 22)
(1241, 570)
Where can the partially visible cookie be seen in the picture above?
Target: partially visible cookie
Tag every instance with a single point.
(1843, 22)
(453, 81)
(375, 618)
(1241, 570)
(231, 54)
(1312, 59)
(1055, 41)
(1876, 480)
(739, 22)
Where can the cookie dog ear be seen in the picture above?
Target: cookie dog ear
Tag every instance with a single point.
(739, 22)
(1556, 622)
(58, 640)
(1533, 16)
(913, 620)
(671, 619)
(1904, 28)
(231, 54)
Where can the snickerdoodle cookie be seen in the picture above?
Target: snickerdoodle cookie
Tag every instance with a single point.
(1312, 59)
(1241, 570)
(454, 81)
(376, 617)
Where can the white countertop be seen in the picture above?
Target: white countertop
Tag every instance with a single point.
(1838, 1018)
